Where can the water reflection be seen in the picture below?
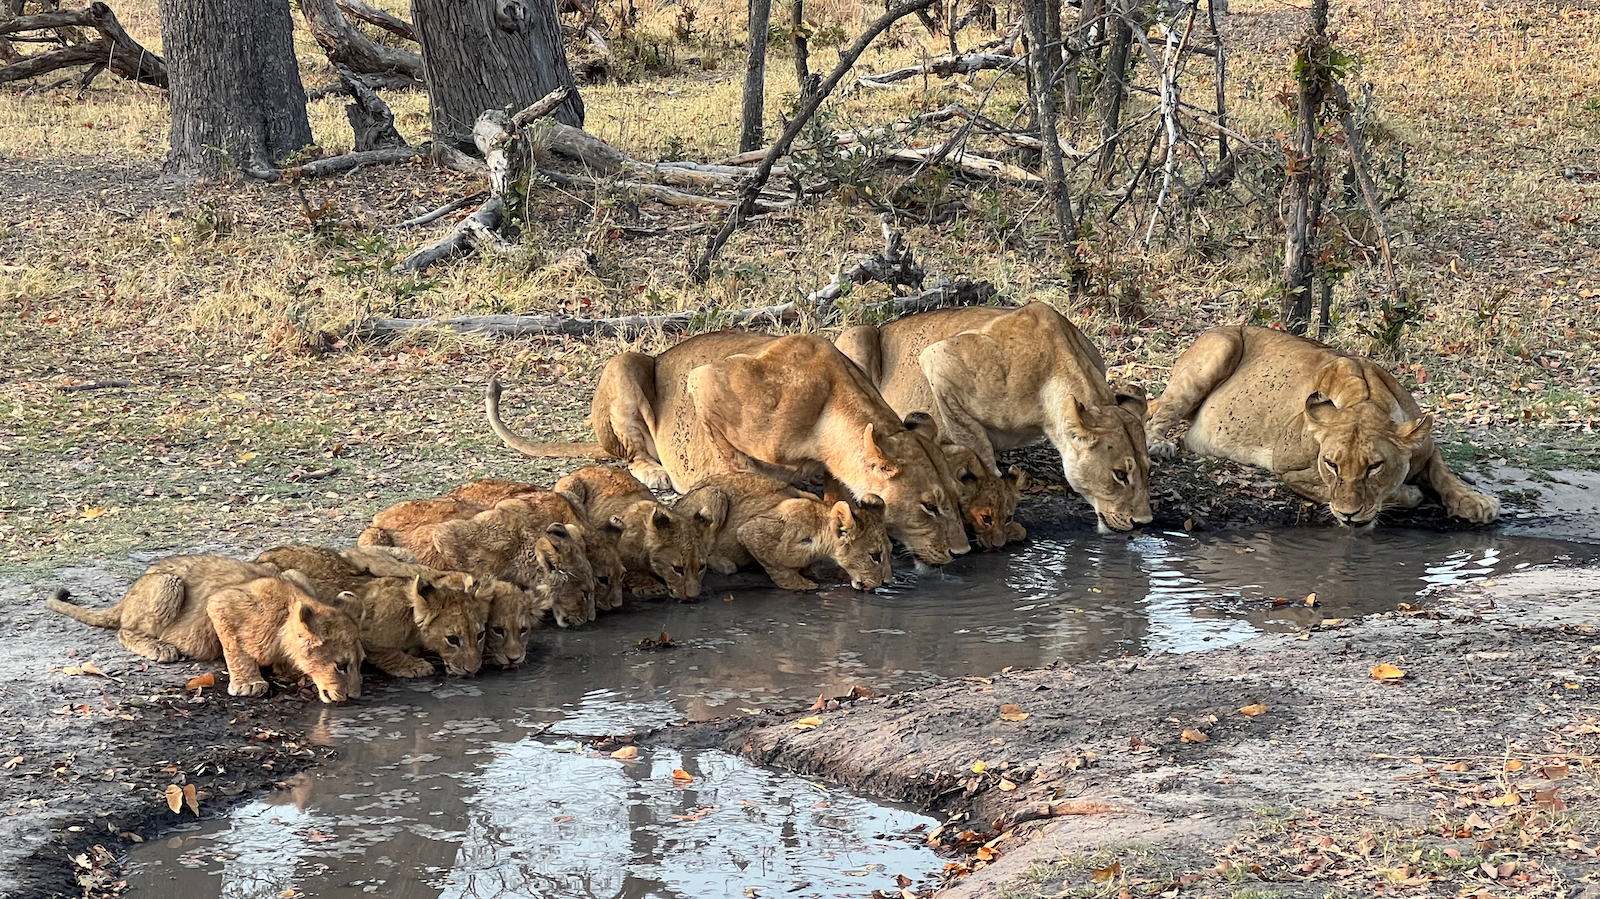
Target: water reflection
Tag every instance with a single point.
(451, 788)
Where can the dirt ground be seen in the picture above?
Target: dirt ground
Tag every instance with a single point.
(1282, 766)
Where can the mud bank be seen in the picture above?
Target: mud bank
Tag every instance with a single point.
(1474, 770)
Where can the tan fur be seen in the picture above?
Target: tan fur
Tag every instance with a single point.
(329, 572)
(513, 615)
(661, 550)
(206, 607)
(1337, 428)
(998, 378)
(768, 522)
(789, 407)
(988, 503)
(400, 524)
(402, 617)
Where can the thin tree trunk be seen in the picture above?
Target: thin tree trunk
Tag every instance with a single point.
(755, 77)
(1307, 181)
(1112, 88)
(804, 80)
(1036, 18)
(235, 92)
(490, 54)
(1222, 82)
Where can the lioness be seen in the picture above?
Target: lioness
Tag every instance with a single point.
(512, 610)
(205, 607)
(1335, 427)
(1002, 378)
(769, 522)
(662, 551)
(403, 616)
(599, 537)
(988, 503)
(789, 407)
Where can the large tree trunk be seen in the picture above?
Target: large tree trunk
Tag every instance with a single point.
(491, 54)
(235, 90)
(755, 77)
(1307, 178)
(1113, 87)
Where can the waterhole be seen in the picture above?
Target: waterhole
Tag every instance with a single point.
(485, 788)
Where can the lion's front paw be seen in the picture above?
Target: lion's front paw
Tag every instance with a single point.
(1472, 506)
(644, 586)
(247, 687)
(721, 565)
(652, 475)
(791, 580)
(1405, 496)
(1163, 449)
(410, 666)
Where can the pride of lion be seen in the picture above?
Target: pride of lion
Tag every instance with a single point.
(791, 455)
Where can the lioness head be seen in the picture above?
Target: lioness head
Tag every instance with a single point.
(676, 546)
(324, 642)
(1363, 455)
(450, 619)
(564, 581)
(921, 499)
(510, 622)
(1105, 458)
(861, 542)
(988, 503)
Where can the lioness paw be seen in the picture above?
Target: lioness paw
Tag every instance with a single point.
(1406, 496)
(652, 475)
(1163, 449)
(1475, 507)
(255, 687)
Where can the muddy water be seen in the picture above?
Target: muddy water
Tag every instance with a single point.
(484, 788)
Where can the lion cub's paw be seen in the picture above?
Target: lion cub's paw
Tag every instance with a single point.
(1475, 507)
(1163, 449)
(644, 586)
(164, 652)
(721, 565)
(254, 687)
(410, 666)
(791, 580)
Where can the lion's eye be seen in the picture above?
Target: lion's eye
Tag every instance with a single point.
(1329, 462)
(986, 520)
(499, 631)
(876, 557)
(677, 569)
(1122, 476)
(1374, 466)
(522, 631)
(453, 640)
(482, 635)
(342, 667)
(931, 509)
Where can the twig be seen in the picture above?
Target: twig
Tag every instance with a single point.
(92, 385)
(442, 211)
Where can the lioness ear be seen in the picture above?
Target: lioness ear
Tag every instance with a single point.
(840, 518)
(871, 503)
(923, 423)
(1134, 400)
(873, 456)
(1072, 413)
(1016, 478)
(1320, 409)
(309, 619)
(562, 530)
(1413, 432)
(544, 552)
(661, 519)
(421, 593)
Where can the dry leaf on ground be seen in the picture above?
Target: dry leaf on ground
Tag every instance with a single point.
(205, 680)
(1250, 711)
(1387, 672)
(1006, 786)
(175, 798)
(807, 723)
(1109, 872)
(681, 776)
(1193, 736)
(1009, 712)
(626, 752)
(191, 798)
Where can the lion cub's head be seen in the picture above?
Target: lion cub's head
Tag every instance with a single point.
(512, 616)
(605, 558)
(676, 545)
(563, 580)
(988, 503)
(1362, 455)
(1105, 458)
(450, 619)
(920, 495)
(859, 542)
(321, 639)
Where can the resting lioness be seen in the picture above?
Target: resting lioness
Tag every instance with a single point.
(1001, 378)
(661, 551)
(789, 407)
(205, 607)
(1337, 428)
(767, 522)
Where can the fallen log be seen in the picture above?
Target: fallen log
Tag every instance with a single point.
(376, 82)
(944, 67)
(962, 292)
(115, 49)
(464, 238)
(346, 45)
(661, 194)
(333, 165)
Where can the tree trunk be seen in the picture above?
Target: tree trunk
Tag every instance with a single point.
(235, 91)
(1307, 180)
(755, 77)
(806, 82)
(1036, 18)
(490, 54)
(1112, 88)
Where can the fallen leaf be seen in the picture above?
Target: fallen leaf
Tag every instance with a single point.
(1514, 765)
(985, 854)
(1553, 772)
(563, 819)
(1009, 712)
(1548, 800)
(1456, 766)
(192, 799)
(205, 680)
(819, 705)
(980, 766)
(806, 723)
(1109, 872)
(13, 763)
(91, 513)
(175, 798)
(1193, 736)
(681, 776)
(1505, 799)
(1387, 672)
(246, 457)
(1310, 600)
(1250, 711)
(1006, 786)
(626, 752)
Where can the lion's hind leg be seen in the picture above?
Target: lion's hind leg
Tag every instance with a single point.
(152, 605)
(623, 413)
(1199, 371)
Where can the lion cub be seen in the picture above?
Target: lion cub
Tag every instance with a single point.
(205, 607)
(663, 551)
(509, 542)
(512, 610)
(767, 522)
(599, 537)
(402, 617)
(988, 503)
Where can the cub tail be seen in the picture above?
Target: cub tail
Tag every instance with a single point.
(111, 617)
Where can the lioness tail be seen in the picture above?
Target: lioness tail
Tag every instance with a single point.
(491, 403)
(111, 617)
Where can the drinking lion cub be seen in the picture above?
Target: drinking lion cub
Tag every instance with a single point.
(205, 607)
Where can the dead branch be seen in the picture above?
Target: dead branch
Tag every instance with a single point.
(370, 117)
(442, 211)
(895, 266)
(114, 49)
(943, 67)
(346, 45)
(758, 180)
(462, 239)
(665, 195)
(540, 108)
(373, 81)
(1356, 146)
(379, 18)
(333, 165)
